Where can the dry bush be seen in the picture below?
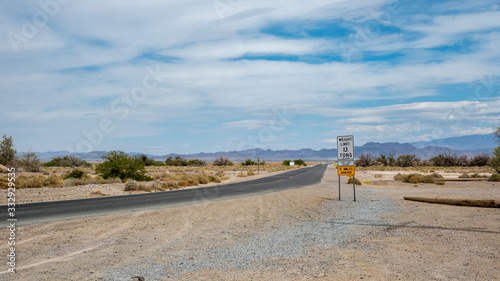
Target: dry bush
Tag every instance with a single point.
(4, 183)
(214, 178)
(98, 192)
(356, 180)
(418, 178)
(202, 178)
(32, 182)
(53, 180)
(130, 185)
(170, 184)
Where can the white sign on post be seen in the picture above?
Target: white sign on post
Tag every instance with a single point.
(345, 151)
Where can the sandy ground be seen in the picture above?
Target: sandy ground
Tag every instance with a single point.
(378, 237)
(31, 195)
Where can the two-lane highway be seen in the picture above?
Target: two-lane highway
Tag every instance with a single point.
(69, 209)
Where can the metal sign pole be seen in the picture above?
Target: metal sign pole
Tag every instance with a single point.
(339, 188)
(354, 186)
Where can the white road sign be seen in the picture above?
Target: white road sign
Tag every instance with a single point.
(345, 150)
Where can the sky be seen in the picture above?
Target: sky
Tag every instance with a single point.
(193, 76)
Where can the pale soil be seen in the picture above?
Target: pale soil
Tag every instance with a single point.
(298, 234)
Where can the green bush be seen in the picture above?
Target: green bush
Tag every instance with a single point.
(75, 174)
(117, 164)
(7, 151)
(177, 161)
(286, 162)
(67, 161)
(248, 162)
(408, 160)
(494, 177)
(149, 161)
(300, 162)
(495, 161)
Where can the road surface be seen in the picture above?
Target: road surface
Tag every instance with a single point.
(32, 213)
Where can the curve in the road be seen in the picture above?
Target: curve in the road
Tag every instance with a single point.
(60, 210)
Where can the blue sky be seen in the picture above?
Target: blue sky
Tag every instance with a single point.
(219, 75)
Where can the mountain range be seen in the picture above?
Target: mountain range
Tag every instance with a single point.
(466, 145)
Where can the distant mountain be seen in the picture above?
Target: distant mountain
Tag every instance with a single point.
(466, 145)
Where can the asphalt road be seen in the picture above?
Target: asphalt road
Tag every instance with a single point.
(32, 213)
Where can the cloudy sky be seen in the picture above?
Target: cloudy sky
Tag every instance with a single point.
(204, 76)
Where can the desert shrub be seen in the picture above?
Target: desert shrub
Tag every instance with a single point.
(170, 184)
(4, 183)
(387, 160)
(399, 177)
(408, 160)
(495, 161)
(464, 176)
(75, 174)
(149, 161)
(365, 160)
(130, 185)
(250, 173)
(117, 164)
(248, 162)
(32, 182)
(480, 160)
(449, 160)
(494, 177)
(356, 181)
(286, 162)
(196, 163)
(7, 151)
(418, 178)
(53, 180)
(213, 178)
(202, 178)
(437, 176)
(413, 178)
(428, 179)
(177, 161)
(68, 183)
(242, 175)
(30, 162)
(300, 162)
(67, 161)
(221, 161)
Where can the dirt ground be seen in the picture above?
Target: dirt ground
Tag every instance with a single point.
(298, 234)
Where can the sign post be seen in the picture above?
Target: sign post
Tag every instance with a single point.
(345, 160)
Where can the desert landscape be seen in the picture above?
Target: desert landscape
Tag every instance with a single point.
(249, 140)
(297, 234)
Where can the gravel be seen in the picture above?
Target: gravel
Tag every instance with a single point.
(334, 226)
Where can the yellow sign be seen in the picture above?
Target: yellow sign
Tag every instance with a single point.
(346, 171)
